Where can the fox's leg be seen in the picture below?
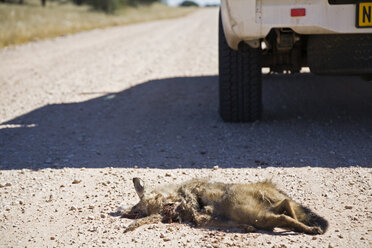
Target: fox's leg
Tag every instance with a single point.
(229, 224)
(206, 220)
(152, 219)
(275, 220)
(190, 206)
(189, 198)
(284, 207)
(208, 209)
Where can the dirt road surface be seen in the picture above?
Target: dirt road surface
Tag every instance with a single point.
(81, 115)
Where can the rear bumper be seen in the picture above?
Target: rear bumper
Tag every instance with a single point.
(253, 19)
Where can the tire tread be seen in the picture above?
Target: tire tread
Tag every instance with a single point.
(240, 86)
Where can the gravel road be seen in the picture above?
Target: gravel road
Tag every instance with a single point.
(81, 115)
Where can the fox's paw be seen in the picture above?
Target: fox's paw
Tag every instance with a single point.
(131, 227)
(249, 229)
(315, 230)
(208, 210)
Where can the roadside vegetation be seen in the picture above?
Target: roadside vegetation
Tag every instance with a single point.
(30, 21)
(189, 4)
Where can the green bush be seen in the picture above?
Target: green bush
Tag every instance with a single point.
(189, 4)
(78, 2)
(141, 2)
(108, 6)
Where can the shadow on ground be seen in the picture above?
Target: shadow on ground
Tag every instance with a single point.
(170, 123)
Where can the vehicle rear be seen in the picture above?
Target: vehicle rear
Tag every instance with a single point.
(328, 36)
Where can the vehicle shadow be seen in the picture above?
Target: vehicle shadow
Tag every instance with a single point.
(308, 120)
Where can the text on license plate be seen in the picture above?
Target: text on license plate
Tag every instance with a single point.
(364, 15)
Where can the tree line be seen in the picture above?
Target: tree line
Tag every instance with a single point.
(108, 6)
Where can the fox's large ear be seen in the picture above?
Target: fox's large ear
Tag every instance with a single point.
(139, 186)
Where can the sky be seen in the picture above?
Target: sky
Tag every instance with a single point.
(200, 2)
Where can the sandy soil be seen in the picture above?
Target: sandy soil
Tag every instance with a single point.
(81, 115)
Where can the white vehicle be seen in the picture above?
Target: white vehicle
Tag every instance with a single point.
(328, 36)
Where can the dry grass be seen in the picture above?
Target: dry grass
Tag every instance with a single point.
(30, 22)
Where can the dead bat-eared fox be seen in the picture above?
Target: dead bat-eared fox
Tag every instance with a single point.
(219, 205)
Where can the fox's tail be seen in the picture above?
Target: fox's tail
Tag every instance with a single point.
(308, 217)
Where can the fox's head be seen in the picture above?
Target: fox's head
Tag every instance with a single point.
(150, 202)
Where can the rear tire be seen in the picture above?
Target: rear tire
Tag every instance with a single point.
(240, 87)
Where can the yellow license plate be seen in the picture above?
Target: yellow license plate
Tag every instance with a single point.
(364, 15)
